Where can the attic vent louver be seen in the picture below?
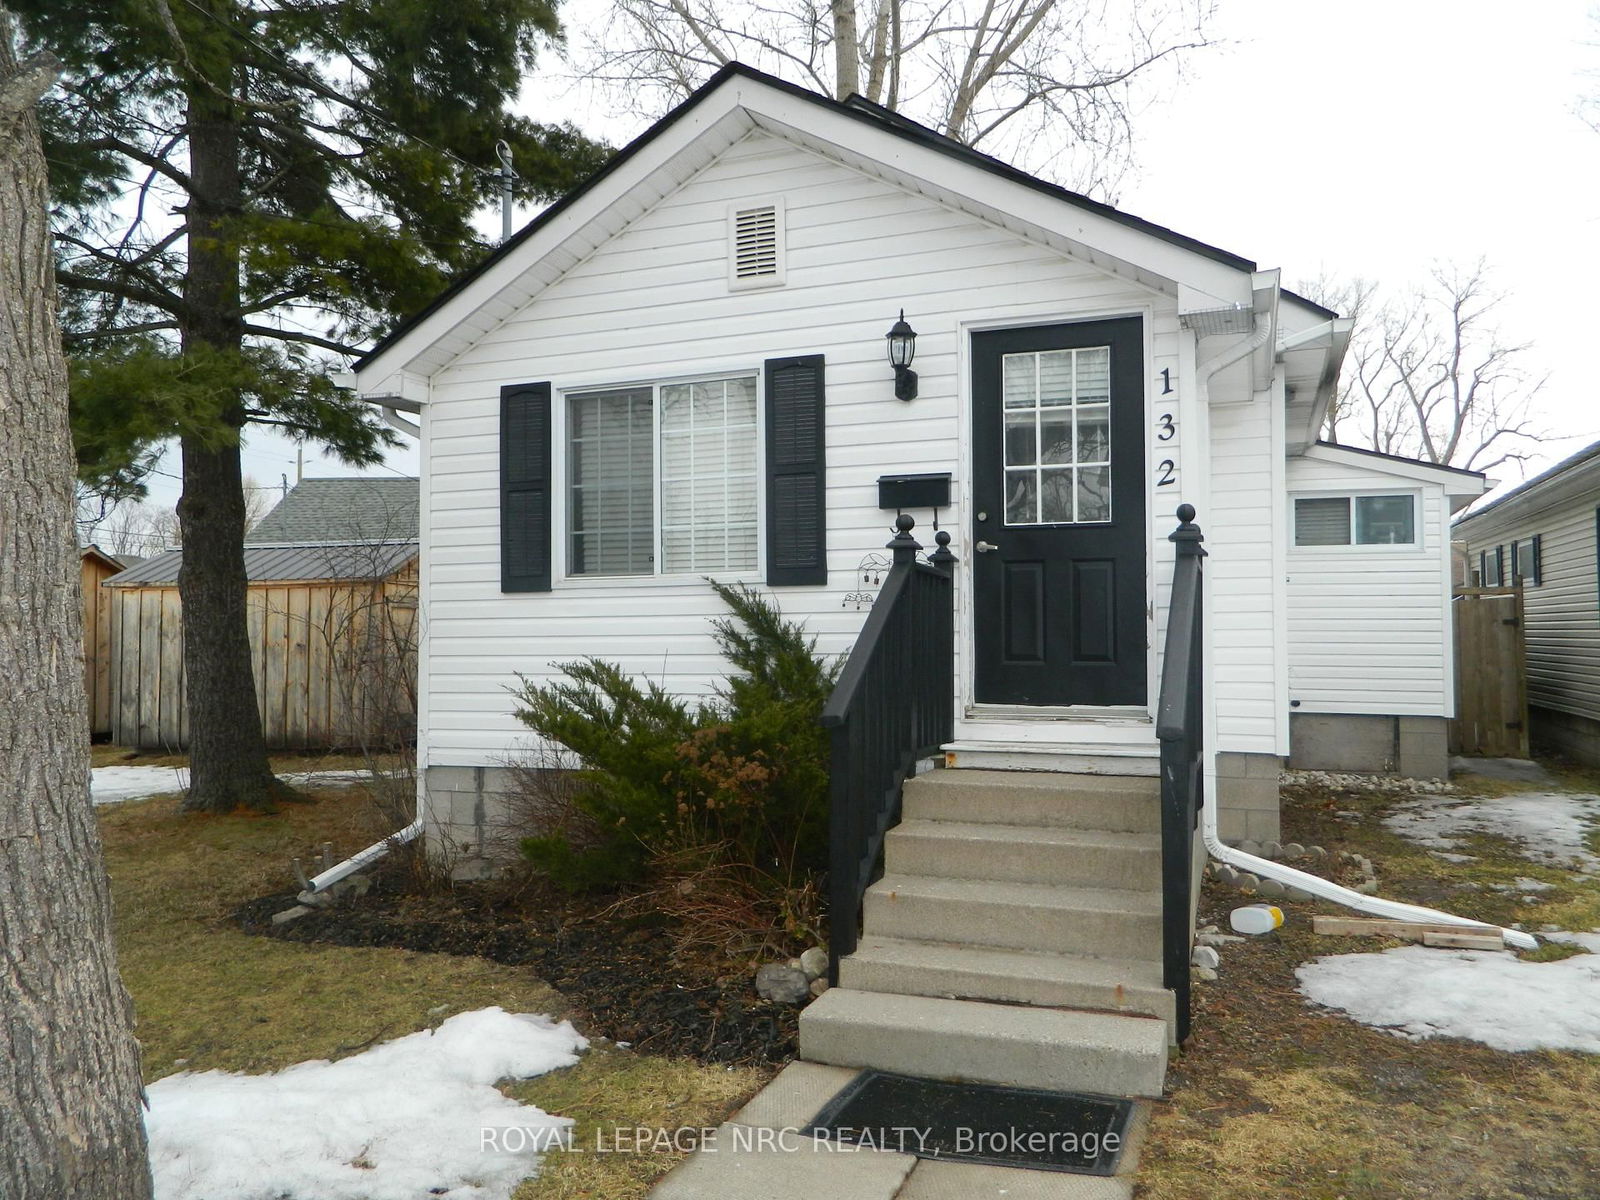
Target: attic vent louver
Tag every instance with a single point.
(755, 246)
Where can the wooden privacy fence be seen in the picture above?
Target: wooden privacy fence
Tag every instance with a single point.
(1491, 673)
(335, 663)
(95, 567)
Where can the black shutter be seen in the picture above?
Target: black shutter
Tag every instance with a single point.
(525, 488)
(797, 512)
(1538, 560)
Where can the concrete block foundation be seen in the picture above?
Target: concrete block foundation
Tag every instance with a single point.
(1415, 747)
(1566, 734)
(1247, 797)
(470, 814)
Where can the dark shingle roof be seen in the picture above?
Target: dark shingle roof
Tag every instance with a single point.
(284, 564)
(355, 509)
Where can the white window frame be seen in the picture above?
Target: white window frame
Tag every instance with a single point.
(563, 575)
(1417, 546)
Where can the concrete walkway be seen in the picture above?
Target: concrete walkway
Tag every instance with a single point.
(759, 1154)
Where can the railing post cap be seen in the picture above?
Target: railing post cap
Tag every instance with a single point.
(942, 557)
(905, 546)
(1187, 536)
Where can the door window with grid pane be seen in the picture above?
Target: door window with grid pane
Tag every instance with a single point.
(1057, 413)
(662, 479)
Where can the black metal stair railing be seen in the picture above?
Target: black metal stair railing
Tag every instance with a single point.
(1179, 726)
(893, 705)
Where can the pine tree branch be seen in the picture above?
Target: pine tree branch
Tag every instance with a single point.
(309, 339)
(155, 297)
(90, 335)
(144, 157)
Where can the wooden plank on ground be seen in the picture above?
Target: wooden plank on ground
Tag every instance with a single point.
(1387, 927)
(1452, 940)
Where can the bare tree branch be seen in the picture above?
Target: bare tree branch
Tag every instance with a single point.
(1428, 376)
(1052, 84)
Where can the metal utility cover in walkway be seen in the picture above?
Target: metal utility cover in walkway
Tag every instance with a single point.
(979, 1123)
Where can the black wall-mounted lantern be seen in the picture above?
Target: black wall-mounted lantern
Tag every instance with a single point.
(902, 349)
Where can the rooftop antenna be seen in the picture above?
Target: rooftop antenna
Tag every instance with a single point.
(507, 177)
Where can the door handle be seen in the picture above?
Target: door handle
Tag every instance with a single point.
(985, 547)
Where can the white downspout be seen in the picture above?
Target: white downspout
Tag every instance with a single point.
(321, 883)
(1265, 868)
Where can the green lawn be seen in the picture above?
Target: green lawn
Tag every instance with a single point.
(208, 996)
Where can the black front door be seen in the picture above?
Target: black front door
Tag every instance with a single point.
(1059, 514)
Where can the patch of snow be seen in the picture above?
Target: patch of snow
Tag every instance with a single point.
(1523, 884)
(1489, 996)
(403, 1120)
(1589, 941)
(1551, 827)
(113, 785)
(1453, 858)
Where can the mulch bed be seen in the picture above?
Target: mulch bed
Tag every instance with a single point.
(625, 975)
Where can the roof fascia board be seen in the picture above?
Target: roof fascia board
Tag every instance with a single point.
(1558, 490)
(1454, 480)
(1555, 485)
(498, 274)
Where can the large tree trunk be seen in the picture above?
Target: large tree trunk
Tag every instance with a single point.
(70, 1121)
(227, 753)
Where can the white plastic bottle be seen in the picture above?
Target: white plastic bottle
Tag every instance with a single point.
(1256, 918)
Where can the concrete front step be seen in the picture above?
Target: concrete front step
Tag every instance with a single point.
(1024, 854)
(1116, 803)
(1104, 922)
(989, 1043)
(913, 968)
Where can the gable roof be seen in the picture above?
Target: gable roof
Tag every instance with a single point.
(754, 99)
(1533, 489)
(285, 564)
(361, 508)
(1402, 459)
(117, 562)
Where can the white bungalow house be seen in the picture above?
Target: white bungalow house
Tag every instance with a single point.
(681, 370)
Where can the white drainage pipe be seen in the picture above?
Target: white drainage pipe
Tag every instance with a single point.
(361, 858)
(1325, 889)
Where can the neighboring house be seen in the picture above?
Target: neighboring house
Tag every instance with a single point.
(1543, 535)
(95, 566)
(332, 613)
(680, 371)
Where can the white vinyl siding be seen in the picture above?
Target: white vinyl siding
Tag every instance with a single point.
(1242, 570)
(1368, 622)
(1563, 611)
(653, 305)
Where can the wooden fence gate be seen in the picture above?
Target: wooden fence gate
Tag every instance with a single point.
(1491, 674)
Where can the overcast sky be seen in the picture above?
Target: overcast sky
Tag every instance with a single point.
(1361, 138)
